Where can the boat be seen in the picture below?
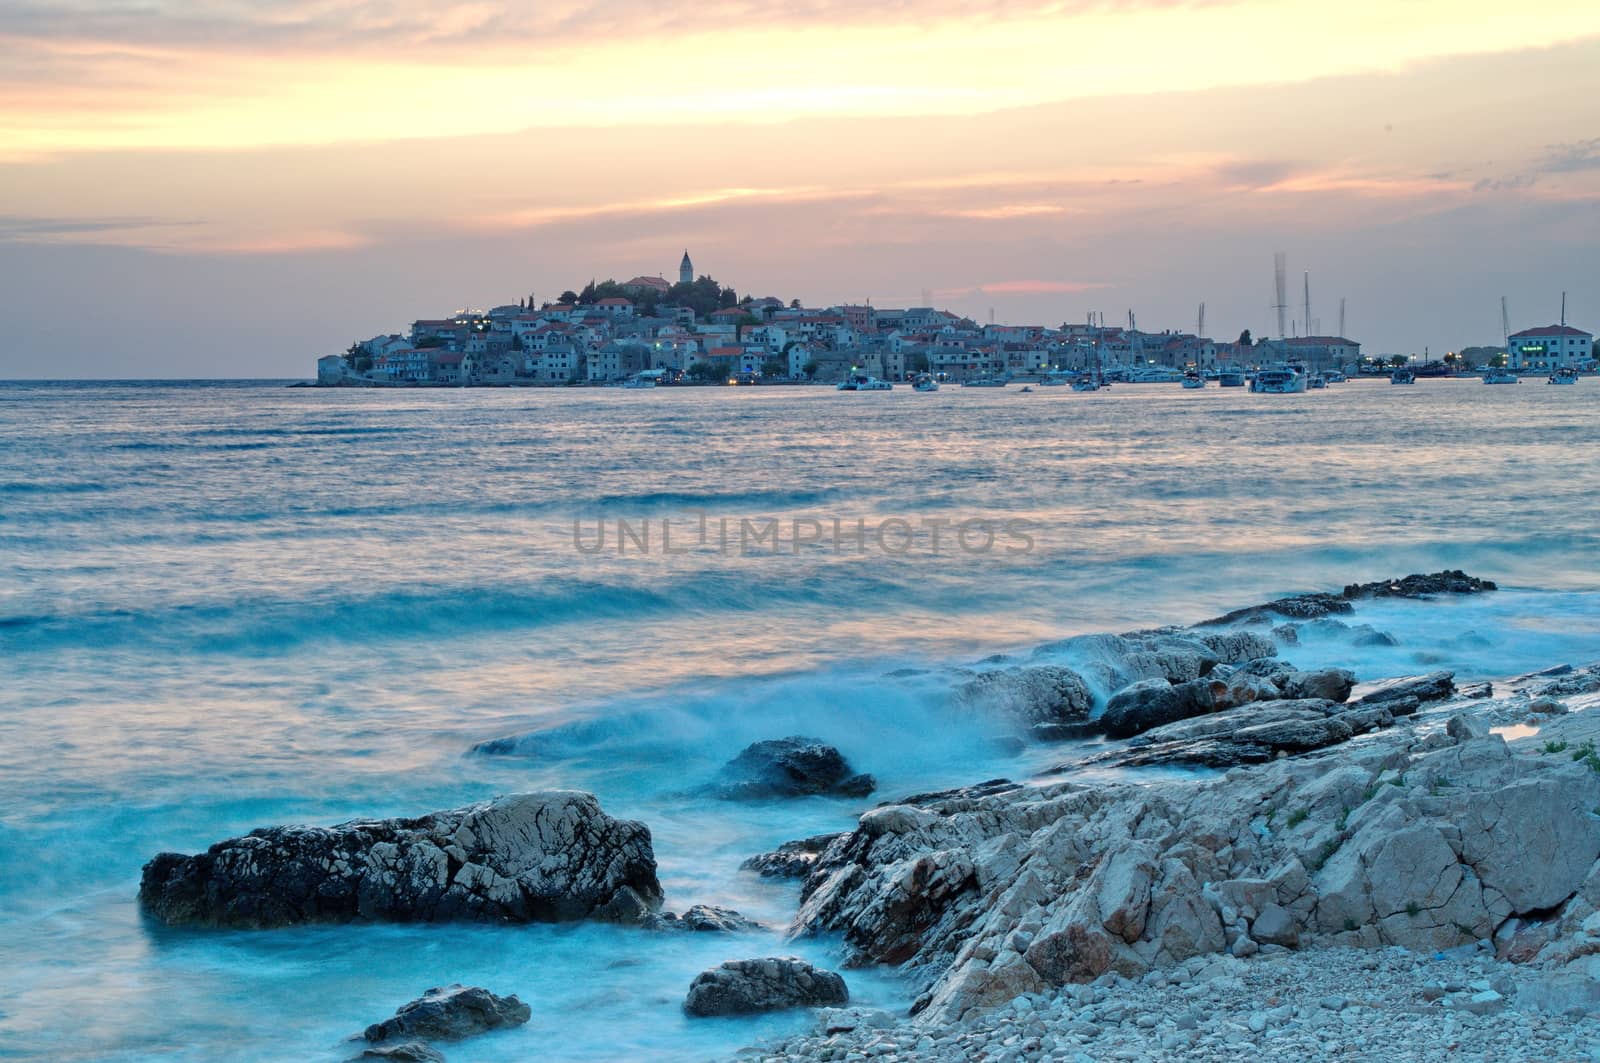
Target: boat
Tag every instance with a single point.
(985, 382)
(1565, 375)
(635, 382)
(1501, 376)
(1230, 378)
(1086, 383)
(1334, 376)
(1317, 380)
(1154, 374)
(1192, 379)
(924, 383)
(1051, 381)
(1403, 376)
(1278, 380)
(859, 381)
(1025, 390)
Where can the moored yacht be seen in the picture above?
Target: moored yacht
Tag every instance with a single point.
(1230, 378)
(859, 381)
(1565, 375)
(924, 382)
(1278, 380)
(1403, 376)
(1501, 376)
(1192, 379)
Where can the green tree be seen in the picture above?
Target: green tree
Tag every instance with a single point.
(706, 371)
(920, 363)
(428, 343)
(774, 367)
(1245, 340)
(1398, 360)
(810, 369)
(567, 298)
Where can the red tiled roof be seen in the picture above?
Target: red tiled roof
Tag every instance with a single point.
(1550, 330)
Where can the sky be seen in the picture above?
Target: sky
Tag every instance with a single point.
(233, 188)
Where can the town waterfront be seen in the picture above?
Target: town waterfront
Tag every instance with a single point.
(224, 606)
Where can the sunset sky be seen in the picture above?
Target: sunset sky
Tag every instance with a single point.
(233, 188)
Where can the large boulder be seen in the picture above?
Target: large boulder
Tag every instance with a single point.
(1332, 684)
(1296, 607)
(791, 767)
(743, 987)
(1154, 702)
(536, 857)
(450, 1013)
(1026, 697)
(1250, 734)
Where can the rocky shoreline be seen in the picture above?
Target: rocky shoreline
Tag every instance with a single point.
(1345, 868)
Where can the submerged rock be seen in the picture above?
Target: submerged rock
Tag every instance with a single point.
(742, 987)
(1296, 607)
(791, 767)
(791, 859)
(404, 1052)
(450, 1013)
(703, 918)
(1451, 581)
(535, 857)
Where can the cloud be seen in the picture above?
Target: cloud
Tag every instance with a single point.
(19, 229)
(1576, 157)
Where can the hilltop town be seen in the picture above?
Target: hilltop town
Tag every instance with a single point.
(697, 331)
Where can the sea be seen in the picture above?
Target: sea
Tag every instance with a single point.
(227, 605)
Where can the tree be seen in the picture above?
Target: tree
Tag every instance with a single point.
(427, 343)
(794, 304)
(774, 367)
(1398, 360)
(1245, 340)
(810, 369)
(706, 371)
(587, 296)
(567, 298)
(919, 363)
(1498, 361)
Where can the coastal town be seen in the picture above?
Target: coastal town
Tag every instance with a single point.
(648, 332)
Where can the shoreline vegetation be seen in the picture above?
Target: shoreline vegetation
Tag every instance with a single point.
(1367, 867)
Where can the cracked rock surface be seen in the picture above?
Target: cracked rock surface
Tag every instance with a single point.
(551, 856)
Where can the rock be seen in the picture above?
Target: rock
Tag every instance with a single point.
(1275, 926)
(535, 857)
(1235, 647)
(1331, 684)
(703, 918)
(1027, 697)
(1484, 1002)
(404, 1052)
(1431, 687)
(1463, 728)
(450, 1013)
(741, 987)
(1451, 581)
(791, 859)
(1251, 734)
(1154, 702)
(790, 767)
(1547, 707)
(1367, 635)
(1298, 607)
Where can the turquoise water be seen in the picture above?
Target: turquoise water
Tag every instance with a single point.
(225, 606)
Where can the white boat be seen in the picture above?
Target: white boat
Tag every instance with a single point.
(1333, 376)
(1085, 384)
(985, 382)
(1192, 379)
(858, 381)
(925, 383)
(1278, 380)
(1154, 374)
(1317, 380)
(1230, 378)
(1403, 376)
(1501, 376)
(634, 382)
(1564, 375)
